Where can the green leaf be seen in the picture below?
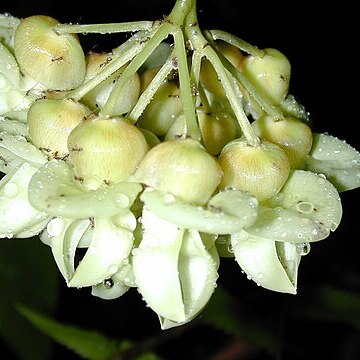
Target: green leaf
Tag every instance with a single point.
(86, 343)
(28, 275)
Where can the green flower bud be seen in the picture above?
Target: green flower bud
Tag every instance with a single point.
(50, 123)
(180, 167)
(261, 170)
(163, 109)
(270, 74)
(208, 76)
(97, 97)
(55, 60)
(292, 135)
(106, 150)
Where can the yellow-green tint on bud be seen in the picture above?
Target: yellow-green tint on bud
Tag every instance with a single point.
(261, 170)
(97, 97)
(50, 122)
(57, 61)
(270, 74)
(164, 107)
(105, 150)
(182, 168)
(217, 129)
(291, 134)
(208, 75)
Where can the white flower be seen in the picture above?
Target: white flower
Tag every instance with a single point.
(174, 272)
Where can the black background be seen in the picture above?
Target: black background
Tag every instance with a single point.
(321, 45)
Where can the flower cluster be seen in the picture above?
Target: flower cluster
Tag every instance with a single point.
(176, 149)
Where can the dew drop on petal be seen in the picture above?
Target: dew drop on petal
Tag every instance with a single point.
(108, 283)
(122, 200)
(303, 248)
(55, 227)
(169, 198)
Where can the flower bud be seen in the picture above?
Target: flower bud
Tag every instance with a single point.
(105, 150)
(261, 170)
(182, 168)
(50, 123)
(97, 97)
(292, 135)
(270, 74)
(217, 129)
(55, 60)
(163, 109)
(208, 75)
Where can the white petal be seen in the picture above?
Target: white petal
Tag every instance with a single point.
(155, 264)
(306, 209)
(259, 258)
(228, 211)
(174, 272)
(16, 213)
(337, 160)
(198, 273)
(109, 247)
(53, 189)
(15, 150)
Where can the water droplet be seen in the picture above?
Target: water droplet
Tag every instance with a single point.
(303, 248)
(169, 198)
(55, 227)
(11, 189)
(112, 269)
(108, 283)
(304, 207)
(122, 200)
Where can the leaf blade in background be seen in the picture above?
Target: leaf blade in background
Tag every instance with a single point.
(27, 275)
(86, 343)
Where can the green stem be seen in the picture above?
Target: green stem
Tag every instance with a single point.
(185, 87)
(237, 42)
(199, 43)
(250, 88)
(195, 74)
(243, 80)
(128, 50)
(109, 28)
(180, 11)
(151, 89)
(160, 35)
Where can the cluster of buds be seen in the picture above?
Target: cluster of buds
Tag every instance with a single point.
(176, 149)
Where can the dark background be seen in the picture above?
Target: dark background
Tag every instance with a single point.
(321, 46)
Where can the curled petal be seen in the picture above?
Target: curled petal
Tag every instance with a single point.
(15, 150)
(64, 236)
(17, 215)
(174, 272)
(306, 209)
(109, 248)
(54, 189)
(337, 160)
(272, 265)
(227, 212)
